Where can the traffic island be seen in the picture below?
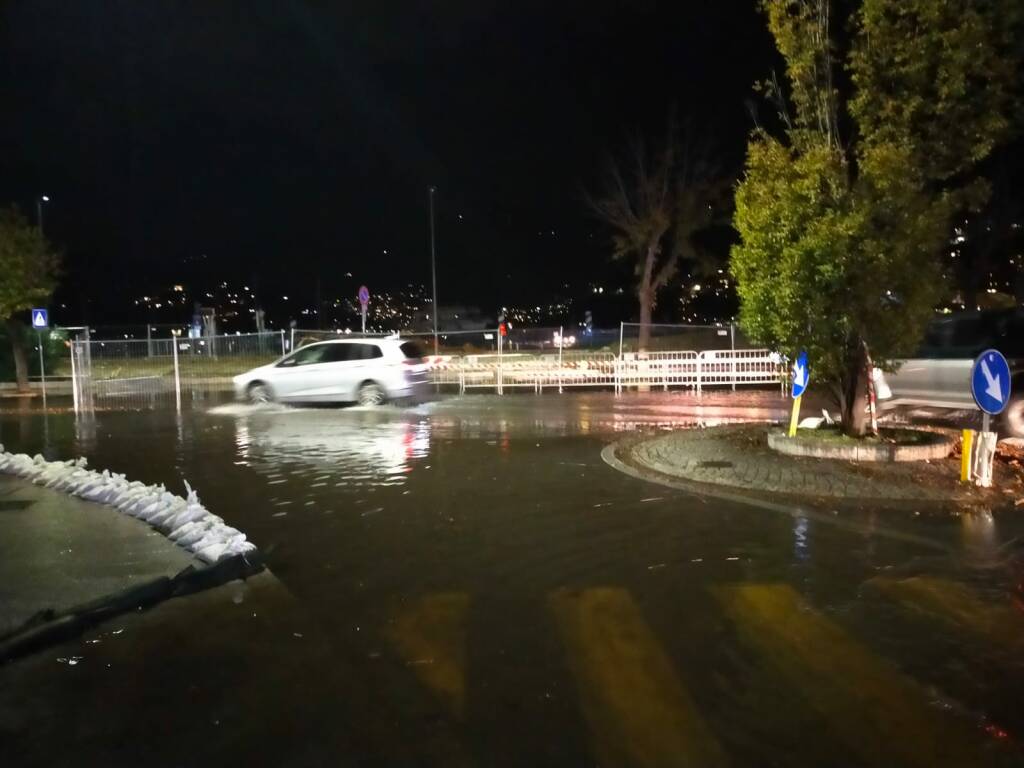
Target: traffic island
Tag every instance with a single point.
(739, 458)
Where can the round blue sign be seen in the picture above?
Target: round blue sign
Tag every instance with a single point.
(801, 374)
(364, 295)
(990, 382)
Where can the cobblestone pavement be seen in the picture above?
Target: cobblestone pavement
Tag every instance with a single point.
(739, 457)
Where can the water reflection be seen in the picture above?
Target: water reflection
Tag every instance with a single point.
(980, 537)
(801, 544)
(339, 448)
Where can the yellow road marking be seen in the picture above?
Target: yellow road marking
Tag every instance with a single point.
(431, 637)
(869, 705)
(638, 711)
(958, 606)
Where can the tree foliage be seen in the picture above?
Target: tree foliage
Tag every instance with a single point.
(844, 211)
(28, 275)
(28, 267)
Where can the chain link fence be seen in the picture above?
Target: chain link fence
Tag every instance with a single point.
(144, 373)
(662, 337)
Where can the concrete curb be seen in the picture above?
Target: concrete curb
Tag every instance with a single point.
(738, 496)
(940, 448)
(704, 462)
(50, 627)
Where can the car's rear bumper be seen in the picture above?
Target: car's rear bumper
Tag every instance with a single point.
(411, 391)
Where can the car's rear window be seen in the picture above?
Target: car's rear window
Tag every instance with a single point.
(364, 352)
(411, 349)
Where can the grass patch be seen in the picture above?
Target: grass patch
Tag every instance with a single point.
(886, 436)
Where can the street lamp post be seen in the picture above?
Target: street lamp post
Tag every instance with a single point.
(39, 210)
(433, 264)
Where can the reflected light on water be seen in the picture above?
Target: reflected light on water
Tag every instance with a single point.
(980, 536)
(801, 542)
(367, 451)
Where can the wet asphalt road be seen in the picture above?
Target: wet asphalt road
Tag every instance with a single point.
(466, 582)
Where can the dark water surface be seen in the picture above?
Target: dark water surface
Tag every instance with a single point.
(466, 582)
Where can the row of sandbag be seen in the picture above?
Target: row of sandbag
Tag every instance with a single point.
(185, 521)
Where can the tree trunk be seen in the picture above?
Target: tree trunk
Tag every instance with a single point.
(645, 322)
(855, 389)
(14, 331)
(645, 294)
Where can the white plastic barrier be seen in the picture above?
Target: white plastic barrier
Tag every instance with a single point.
(713, 368)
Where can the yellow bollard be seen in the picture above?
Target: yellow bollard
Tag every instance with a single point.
(796, 416)
(965, 456)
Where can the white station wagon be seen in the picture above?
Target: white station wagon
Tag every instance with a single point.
(364, 371)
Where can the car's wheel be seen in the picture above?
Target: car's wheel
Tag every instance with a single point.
(371, 393)
(1013, 417)
(260, 393)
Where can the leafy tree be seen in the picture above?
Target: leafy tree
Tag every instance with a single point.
(28, 275)
(845, 209)
(654, 203)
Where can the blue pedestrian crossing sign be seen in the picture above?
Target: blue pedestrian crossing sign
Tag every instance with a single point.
(801, 374)
(40, 319)
(990, 382)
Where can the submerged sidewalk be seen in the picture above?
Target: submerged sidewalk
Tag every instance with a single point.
(57, 551)
(738, 458)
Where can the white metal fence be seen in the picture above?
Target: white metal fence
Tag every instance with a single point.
(139, 373)
(143, 373)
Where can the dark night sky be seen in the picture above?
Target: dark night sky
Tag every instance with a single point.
(287, 140)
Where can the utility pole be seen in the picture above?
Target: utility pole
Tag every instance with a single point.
(319, 304)
(433, 264)
(39, 211)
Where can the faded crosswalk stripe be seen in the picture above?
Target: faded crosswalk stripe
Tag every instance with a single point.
(996, 622)
(870, 706)
(638, 711)
(431, 637)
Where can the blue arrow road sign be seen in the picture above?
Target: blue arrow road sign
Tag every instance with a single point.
(990, 382)
(801, 374)
(40, 319)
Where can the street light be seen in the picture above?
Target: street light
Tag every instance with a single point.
(433, 263)
(39, 210)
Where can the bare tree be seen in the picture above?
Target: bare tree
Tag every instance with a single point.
(654, 201)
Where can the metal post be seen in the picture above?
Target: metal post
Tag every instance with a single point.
(177, 375)
(42, 369)
(39, 211)
(561, 343)
(282, 343)
(500, 392)
(732, 352)
(74, 376)
(433, 265)
(149, 341)
(622, 326)
(292, 347)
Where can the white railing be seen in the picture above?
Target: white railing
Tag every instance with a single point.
(695, 370)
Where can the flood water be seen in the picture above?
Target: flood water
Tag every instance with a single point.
(466, 582)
